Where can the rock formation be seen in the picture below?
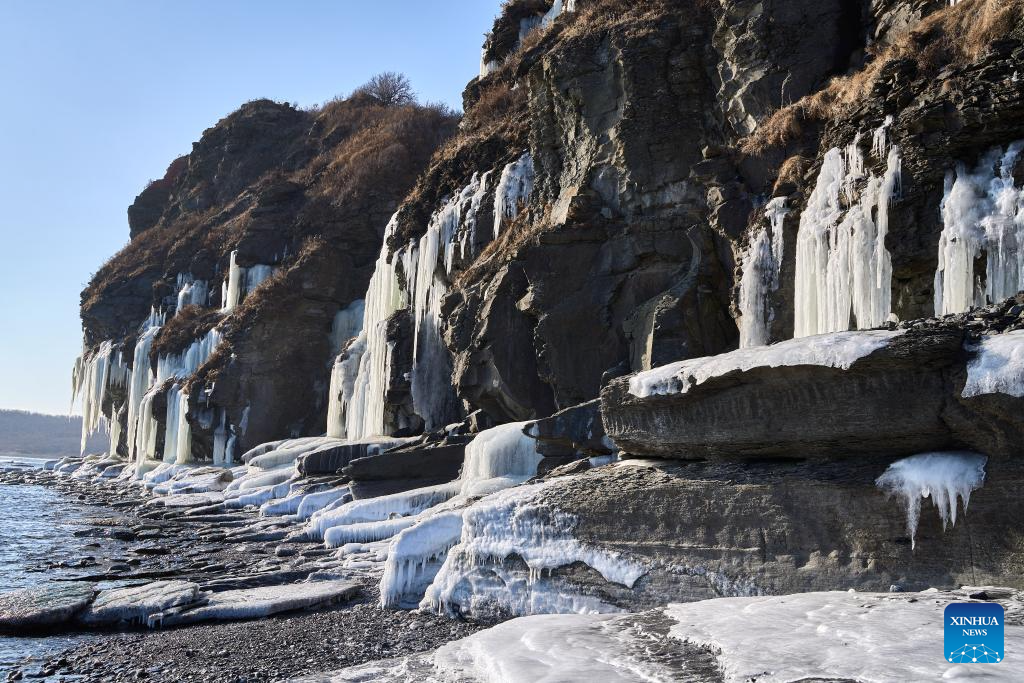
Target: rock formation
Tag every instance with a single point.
(711, 273)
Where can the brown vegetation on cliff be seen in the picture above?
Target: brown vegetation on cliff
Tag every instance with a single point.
(952, 36)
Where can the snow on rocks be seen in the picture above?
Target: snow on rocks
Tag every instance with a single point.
(837, 350)
(43, 606)
(943, 477)
(136, 604)
(250, 603)
(997, 366)
(829, 636)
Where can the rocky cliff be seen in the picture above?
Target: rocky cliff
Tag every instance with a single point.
(770, 249)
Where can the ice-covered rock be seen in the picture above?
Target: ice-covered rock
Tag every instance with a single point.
(137, 603)
(251, 603)
(997, 366)
(44, 606)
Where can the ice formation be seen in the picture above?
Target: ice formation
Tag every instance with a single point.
(415, 556)
(843, 269)
(359, 376)
(762, 265)
(514, 189)
(500, 452)
(997, 366)
(348, 323)
(557, 8)
(241, 281)
(943, 477)
(516, 522)
(91, 377)
(836, 350)
(136, 603)
(191, 292)
(982, 217)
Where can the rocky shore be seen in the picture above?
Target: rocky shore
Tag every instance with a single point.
(152, 544)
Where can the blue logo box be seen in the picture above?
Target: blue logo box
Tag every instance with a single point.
(974, 633)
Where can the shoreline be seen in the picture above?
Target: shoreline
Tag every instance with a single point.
(166, 545)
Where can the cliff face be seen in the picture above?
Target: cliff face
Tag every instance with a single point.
(772, 247)
(293, 203)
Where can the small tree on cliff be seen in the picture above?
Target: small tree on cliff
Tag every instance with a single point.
(389, 89)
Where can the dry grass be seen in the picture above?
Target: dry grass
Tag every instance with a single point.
(952, 36)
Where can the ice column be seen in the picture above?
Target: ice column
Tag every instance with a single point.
(982, 216)
(514, 189)
(761, 269)
(843, 269)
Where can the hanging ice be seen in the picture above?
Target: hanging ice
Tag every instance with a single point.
(843, 269)
(944, 477)
(514, 189)
(982, 217)
(557, 8)
(761, 269)
(91, 377)
(516, 522)
(191, 292)
(241, 281)
(358, 382)
(348, 323)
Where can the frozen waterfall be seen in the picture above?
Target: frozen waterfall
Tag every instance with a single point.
(762, 265)
(982, 217)
(843, 269)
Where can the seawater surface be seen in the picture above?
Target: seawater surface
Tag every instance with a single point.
(37, 531)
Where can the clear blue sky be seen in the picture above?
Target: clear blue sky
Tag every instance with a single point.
(98, 97)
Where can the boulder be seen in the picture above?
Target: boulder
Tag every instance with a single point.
(439, 462)
(43, 607)
(575, 430)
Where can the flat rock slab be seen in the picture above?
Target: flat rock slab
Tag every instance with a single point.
(137, 603)
(186, 500)
(43, 606)
(250, 603)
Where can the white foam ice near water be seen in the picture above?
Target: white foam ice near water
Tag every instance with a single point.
(837, 350)
(946, 478)
(843, 269)
(982, 216)
(997, 366)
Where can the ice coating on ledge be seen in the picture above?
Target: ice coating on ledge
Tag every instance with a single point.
(943, 477)
(997, 366)
(502, 451)
(837, 350)
(415, 556)
(515, 522)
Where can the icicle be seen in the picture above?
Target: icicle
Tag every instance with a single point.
(514, 189)
(761, 268)
(348, 323)
(843, 269)
(982, 213)
(944, 477)
(232, 289)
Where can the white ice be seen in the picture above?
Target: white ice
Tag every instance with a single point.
(982, 215)
(943, 477)
(135, 604)
(837, 350)
(997, 366)
(828, 636)
(762, 265)
(843, 269)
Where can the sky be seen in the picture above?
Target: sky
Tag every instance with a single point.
(97, 98)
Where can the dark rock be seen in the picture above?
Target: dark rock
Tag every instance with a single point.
(44, 606)
(439, 462)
